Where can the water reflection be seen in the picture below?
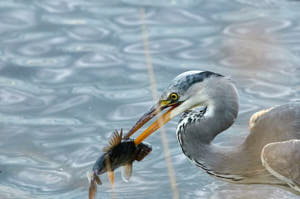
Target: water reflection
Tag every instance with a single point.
(159, 46)
(72, 71)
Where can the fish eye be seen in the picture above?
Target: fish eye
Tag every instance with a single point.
(174, 96)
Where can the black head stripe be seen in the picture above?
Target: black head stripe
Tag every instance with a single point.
(195, 78)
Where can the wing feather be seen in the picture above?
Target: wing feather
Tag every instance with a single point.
(276, 124)
(282, 160)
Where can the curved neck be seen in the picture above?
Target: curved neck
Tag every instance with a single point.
(195, 138)
(198, 128)
(220, 110)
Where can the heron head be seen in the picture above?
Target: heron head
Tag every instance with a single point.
(186, 91)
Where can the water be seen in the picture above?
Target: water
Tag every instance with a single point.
(72, 71)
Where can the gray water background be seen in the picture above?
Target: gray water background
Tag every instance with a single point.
(73, 71)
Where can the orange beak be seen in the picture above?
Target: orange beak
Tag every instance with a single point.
(144, 119)
(163, 119)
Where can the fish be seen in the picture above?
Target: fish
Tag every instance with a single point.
(121, 152)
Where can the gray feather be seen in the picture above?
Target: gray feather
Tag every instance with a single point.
(199, 125)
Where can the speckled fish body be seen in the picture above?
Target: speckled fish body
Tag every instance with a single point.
(119, 153)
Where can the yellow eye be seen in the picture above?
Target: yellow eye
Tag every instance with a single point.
(174, 96)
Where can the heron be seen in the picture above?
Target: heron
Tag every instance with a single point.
(208, 103)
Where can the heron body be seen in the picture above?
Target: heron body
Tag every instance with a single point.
(208, 104)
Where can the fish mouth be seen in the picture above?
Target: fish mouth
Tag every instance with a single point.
(159, 122)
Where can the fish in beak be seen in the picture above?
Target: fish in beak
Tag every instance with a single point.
(119, 153)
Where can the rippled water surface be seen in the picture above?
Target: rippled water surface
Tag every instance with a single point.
(72, 71)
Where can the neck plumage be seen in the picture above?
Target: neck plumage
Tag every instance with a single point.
(198, 128)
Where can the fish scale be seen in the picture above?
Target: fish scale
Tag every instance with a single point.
(119, 153)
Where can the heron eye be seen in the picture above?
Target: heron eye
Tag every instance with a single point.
(174, 96)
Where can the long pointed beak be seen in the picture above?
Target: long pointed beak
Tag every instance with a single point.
(163, 119)
(155, 110)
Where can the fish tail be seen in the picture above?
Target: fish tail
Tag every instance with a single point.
(92, 189)
(93, 180)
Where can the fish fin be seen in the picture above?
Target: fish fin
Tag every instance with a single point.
(121, 134)
(111, 177)
(97, 179)
(115, 140)
(106, 149)
(126, 172)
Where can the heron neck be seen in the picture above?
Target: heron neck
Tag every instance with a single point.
(199, 127)
(218, 113)
(196, 139)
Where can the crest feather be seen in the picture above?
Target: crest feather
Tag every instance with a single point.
(115, 140)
